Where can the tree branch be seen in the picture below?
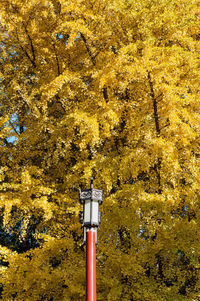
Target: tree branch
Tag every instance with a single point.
(31, 44)
(88, 49)
(12, 125)
(155, 109)
(105, 94)
(26, 53)
(157, 166)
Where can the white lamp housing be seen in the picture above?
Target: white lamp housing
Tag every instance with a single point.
(91, 199)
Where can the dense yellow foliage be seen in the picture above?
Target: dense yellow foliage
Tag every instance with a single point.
(109, 89)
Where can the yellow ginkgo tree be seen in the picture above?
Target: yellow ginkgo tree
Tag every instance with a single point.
(109, 89)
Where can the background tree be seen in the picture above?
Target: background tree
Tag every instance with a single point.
(108, 89)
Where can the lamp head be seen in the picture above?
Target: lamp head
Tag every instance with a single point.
(91, 199)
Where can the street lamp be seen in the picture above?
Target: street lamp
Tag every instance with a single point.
(90, 219)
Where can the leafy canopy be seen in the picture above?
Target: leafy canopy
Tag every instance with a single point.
(108, 89)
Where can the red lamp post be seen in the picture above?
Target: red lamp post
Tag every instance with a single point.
(90, 219)
(91, 266)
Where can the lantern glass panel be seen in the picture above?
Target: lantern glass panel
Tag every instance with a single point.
(95, 212)
(87, 211)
